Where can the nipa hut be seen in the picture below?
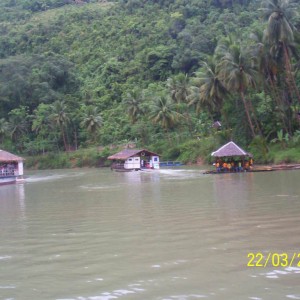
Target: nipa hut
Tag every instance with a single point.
(231, 157)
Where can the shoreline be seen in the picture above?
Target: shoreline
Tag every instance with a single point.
(256, 167)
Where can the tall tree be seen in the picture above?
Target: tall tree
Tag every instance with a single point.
(59, 116)
(179, 90)
(178, 87)
(211, 89)
(91, 120)
(194, 98)
(41, 119)
(133, 103)
(268, 69)
(238, 74)
(18, 125)
(43, 127)
(163, 113)
(280, 33)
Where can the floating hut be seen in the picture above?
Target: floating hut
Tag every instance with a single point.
(232, 158)
(131, 159)
(11, 167)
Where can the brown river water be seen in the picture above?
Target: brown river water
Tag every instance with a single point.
(172, 234)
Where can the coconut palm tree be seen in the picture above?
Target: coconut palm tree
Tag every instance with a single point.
(41, 118)
(266, 65)
(178, 87)
(268, 69)
(91, 120)
(236, 71)
(210, 88)
(163, 113)
(42, 125)
(223, 45)
(279, 14)
(133, 102)
(18, 123)
(280, 34)
(59, 116)
(194, 98)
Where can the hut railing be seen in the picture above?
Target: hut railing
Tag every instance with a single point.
(8, 172)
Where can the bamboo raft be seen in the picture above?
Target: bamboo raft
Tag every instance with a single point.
(261, 169)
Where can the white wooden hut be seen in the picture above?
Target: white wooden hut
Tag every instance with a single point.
(131, 159)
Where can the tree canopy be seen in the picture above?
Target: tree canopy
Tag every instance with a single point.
(78, 72)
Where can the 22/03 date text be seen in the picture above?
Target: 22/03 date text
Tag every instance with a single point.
(273, 259)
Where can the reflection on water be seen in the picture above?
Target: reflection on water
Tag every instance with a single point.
(232, 191)
(12, 201)
(168, 234)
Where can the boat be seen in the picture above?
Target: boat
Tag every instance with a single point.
(134, 160)
(231, 158)
(241, 161)
(11, 168)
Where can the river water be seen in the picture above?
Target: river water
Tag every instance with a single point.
(169, 234)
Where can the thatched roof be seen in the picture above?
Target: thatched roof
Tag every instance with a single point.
(9, 157)
(124, 154)
(229, 150)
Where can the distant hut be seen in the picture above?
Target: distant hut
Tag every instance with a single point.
(216, 125)
(131, 159)
(231, 157)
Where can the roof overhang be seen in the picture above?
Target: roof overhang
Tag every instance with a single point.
(229, 150)
(6, 157)
(127, 153)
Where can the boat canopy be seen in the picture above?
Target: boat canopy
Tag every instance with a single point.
(229, 150)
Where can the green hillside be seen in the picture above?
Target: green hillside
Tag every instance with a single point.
(77, 74)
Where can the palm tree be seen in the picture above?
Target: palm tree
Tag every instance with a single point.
(18, 123)
(282, 53)
(279, 13)
(223, 45)
(194, 98)
(178, 87)
(280, 33)
(238, 74)
(163, 113)
(210, 88)
(268, 69)
(41, 122)
(266, 65)
(133, 102)
(59, 116)
(91, 119)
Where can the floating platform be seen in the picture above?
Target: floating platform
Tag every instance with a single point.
(261, 169)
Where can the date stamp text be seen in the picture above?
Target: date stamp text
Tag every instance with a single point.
(270, 259)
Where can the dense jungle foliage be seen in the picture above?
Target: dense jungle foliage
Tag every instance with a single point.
(160, 74)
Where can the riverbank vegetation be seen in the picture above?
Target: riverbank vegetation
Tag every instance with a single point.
(178, 77)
